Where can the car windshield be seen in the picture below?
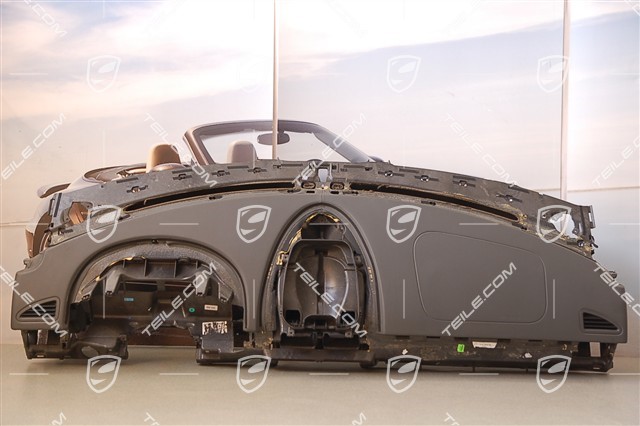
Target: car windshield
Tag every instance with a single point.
(297, 141)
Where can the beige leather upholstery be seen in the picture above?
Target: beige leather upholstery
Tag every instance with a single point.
(241, 152)
(162, 154)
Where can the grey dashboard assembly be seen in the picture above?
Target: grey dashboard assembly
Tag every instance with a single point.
(329, 255)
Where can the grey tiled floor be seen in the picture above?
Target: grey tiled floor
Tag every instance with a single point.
(167, 385)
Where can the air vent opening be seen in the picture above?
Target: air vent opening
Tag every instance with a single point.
(37, 310)
(359, 186)
(154, 201)
(594, 322)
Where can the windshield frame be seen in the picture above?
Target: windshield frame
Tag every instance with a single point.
(194, 137)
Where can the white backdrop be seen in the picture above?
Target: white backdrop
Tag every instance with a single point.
(484, 67)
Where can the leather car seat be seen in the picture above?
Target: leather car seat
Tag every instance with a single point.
(241, 152)
(163, 157)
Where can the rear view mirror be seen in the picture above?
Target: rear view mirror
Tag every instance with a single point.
(267, 138)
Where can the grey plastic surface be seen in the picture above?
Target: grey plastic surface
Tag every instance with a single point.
(416, 280)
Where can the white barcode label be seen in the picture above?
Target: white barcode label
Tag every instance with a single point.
(487, 345)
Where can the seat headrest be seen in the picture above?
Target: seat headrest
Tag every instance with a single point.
(241, 152)
(162, 154)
